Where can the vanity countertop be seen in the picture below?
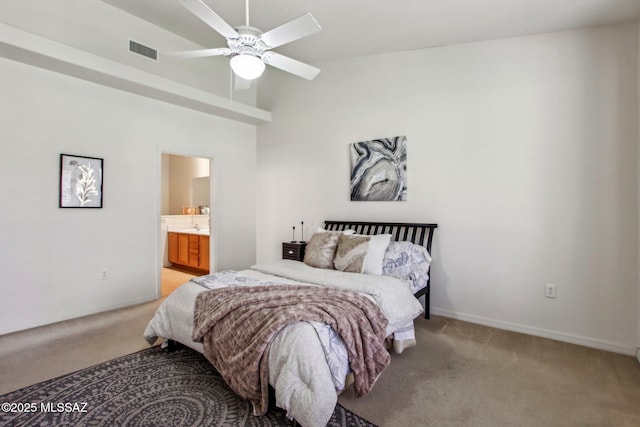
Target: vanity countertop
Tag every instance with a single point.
(190, 230)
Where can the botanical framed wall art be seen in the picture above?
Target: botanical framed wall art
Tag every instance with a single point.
(379, 169)
(80, 181)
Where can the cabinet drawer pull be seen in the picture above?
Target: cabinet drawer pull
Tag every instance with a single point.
(290, 252)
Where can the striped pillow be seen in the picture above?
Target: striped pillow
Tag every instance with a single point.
(351, 253)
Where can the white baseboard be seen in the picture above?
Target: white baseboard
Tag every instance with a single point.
(76, 313)
(540, 332)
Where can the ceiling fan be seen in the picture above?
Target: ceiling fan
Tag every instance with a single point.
(249, 47)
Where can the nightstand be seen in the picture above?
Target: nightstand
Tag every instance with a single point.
(293, 250)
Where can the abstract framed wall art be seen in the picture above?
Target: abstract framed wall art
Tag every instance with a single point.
(80, 181)
(379, 169)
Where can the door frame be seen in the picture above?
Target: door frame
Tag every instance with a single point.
(213, 253)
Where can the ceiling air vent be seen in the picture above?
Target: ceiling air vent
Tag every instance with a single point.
(143, 50)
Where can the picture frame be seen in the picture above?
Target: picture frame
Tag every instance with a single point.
(80, 181)
(379, 169)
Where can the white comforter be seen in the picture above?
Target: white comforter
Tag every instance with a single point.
(298, 369)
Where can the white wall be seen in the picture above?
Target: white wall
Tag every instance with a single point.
(523, 150)
(104, 30)
(50, 258)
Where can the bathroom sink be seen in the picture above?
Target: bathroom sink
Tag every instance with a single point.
(200, 232)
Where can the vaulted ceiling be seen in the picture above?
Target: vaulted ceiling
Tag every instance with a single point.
(366, 27)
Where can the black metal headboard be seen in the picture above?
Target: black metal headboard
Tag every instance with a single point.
(418, 233)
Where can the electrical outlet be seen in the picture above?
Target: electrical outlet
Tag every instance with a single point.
(550, 290)
(104, 274)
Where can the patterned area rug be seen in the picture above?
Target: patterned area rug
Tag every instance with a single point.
(148, 388)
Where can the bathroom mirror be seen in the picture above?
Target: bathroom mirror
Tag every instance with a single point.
(185, 183)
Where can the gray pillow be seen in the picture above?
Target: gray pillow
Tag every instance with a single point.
(321, 249)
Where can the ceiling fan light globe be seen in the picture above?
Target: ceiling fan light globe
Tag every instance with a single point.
(247, 67)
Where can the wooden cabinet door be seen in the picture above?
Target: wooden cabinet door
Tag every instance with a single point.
(183, 249)
(173, 248)
(194, 251)
(204, 253)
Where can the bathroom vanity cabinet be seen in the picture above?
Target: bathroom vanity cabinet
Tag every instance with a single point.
(189, 250)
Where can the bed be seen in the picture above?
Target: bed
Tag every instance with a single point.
(419, 234)
(308, 363)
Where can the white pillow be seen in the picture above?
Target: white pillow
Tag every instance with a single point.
(375, 253)
(345, 232)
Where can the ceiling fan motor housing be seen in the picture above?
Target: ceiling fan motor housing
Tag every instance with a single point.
(248, 41)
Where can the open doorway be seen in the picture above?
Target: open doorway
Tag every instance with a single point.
(185, 211)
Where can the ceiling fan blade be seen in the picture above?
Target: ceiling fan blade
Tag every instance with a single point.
(300, 27)
(289, 65)
(202, 11)
(200, 53)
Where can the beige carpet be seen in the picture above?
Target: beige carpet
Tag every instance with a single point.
(49, 351)
(460, 374)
